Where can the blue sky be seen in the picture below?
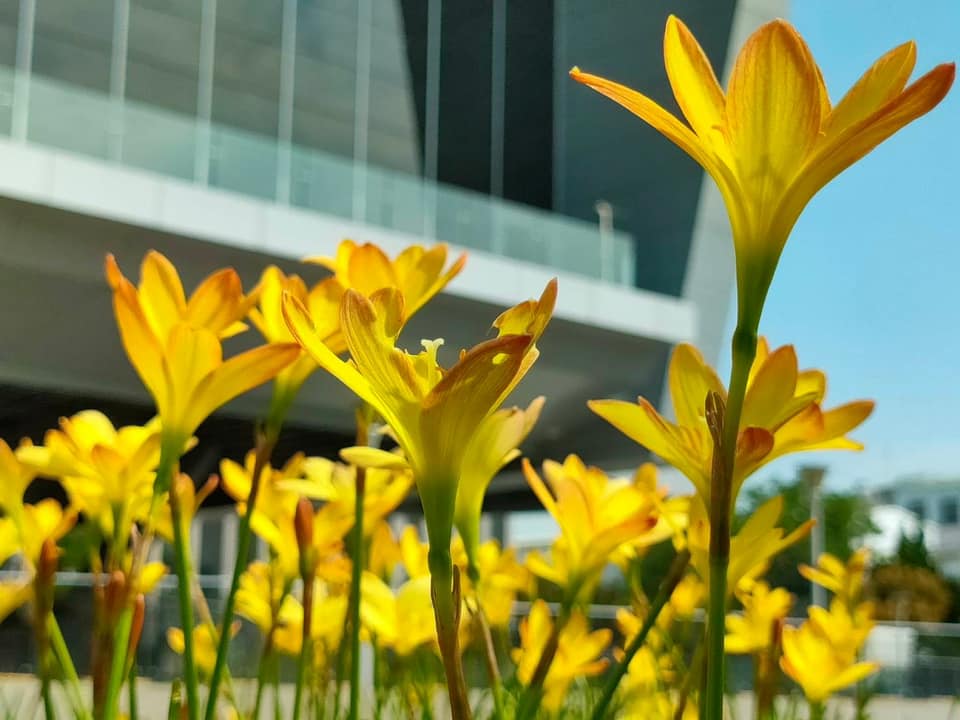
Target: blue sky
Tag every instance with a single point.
(869, 285)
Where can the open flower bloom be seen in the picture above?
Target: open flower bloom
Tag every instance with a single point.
(752, 631)
(774, 138)
(672, 516)
(335, 482)
(25, 534)
(417, 272)
(579, 652)
(847, 628)
(174, 343)
(501, 577)
(751, 549)
(261, 599)
(782, 414)
(275, 502)
(432, 412)
(205, 639)
(845, 580)
(15, 477)
(812, 659)
(596, 515)
(495, 444)
(108, 473)
(384, 552)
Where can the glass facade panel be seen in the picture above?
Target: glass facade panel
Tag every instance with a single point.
(73, 41)
(325, 76)
(163, 55)
(68, 117)
(246, 68)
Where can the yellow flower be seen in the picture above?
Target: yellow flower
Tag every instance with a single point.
(204, 644)
(774, 138)
(15, 477)
(384, 551)
(596, 515)
(416, 625)
(335, 482)
(493, 445)
(501, 578)
(37, 523)
(847, 629)
(844, 580)
(751, 549)
(108, 473)
(261, 599)
(579, 652)
(811, 659)
(174, 343)
(417, 272)
(14, 594)
(274, 501)
(190, 498)
(781, 414)
(753, 630)
(672, 516)
(432, 412)
(413, 553)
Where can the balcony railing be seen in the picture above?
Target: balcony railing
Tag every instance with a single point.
(38, 110)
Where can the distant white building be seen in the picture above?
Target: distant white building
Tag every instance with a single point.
(927, 503)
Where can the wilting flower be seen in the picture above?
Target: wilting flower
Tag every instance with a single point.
(108, 472)
(774, 138)
(432, 412)
(782, 414)
(174, 343)
(751, 549)
(579, 652)
(820, 663)
(752, 631)
(845, 580)
(596, 515)
(494, 444)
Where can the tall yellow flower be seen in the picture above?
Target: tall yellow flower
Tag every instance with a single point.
(432, 412)
(108, 472)
(751, 549)
(752, 631)
(774, 138)
(845, 580)
(782, 414)
(174, 343)
(812, 659)
(596, 515)
(205, 638)
(494, 445)
(579, 652)
(418, 273)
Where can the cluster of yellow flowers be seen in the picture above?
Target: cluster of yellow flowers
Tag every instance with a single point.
(339, 573)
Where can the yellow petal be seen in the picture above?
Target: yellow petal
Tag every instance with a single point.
(370, 457)
(161, 292)
(773, 111)
(216, 303)
(694, 83)
(691, 380)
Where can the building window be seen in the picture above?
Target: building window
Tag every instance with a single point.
(918, 508)
(949, 511)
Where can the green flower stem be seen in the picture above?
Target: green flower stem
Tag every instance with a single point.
(62, 655)
(121, 639)
(355, 591)
(744, 348)
(669, 584)
(184, 569)
(133, 710)
(262, 676)
(48, 708)
(818, 710)
(305, 661)
(445, 589)
(266, 442)
(490, 652)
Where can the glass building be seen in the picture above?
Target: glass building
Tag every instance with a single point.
(245, 132)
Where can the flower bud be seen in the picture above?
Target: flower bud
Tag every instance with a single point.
(303, 527)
